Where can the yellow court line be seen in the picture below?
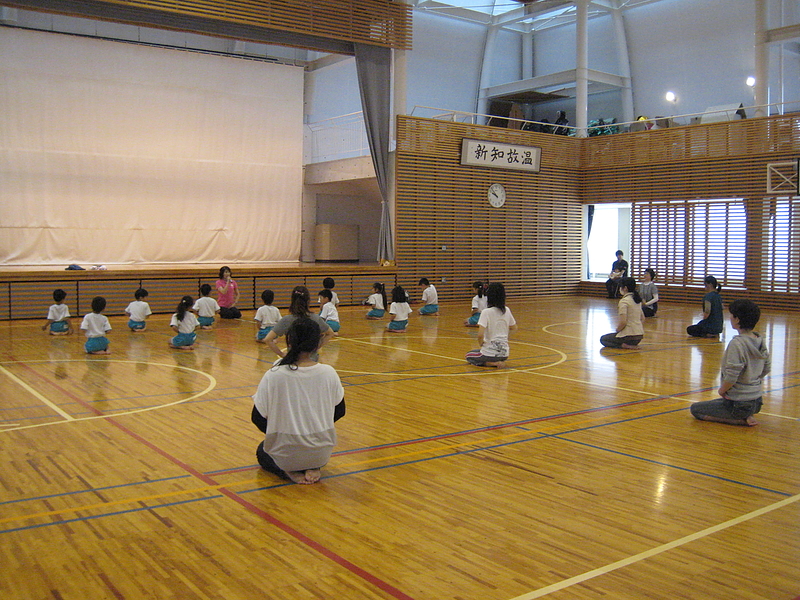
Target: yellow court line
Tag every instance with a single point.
(212, 383)
(487, 440)
(403, 349)
(73, 509)
(655, 551)
(36, 394)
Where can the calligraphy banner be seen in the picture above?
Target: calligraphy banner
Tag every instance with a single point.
(478, 153)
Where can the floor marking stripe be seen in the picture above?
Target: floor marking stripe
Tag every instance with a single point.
(36, 394)
(296, 534)
(655, 551)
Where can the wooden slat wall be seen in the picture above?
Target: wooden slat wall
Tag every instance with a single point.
(534, 243)
(720, 160)
(448, 232)
(377, 22)
(29, 296)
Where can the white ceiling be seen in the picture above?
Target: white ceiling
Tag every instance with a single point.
(515, 14)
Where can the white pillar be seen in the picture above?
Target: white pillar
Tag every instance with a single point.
(527, 54)
(308, 224)
(762, 60)
(486, 69)
(624, 60)
(582, 67)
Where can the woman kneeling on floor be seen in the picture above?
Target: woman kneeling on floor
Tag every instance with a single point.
(296, 405)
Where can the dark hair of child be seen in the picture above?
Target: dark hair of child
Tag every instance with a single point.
(398, 294)
(629, 283)
(424, 281)
(59, 295)
(303, 336)
(298, 305)
(184, 305)
(327, 294)
(652, 273)
(712, 281)
(98, 304)
(267, 296)
(140, 293)
(381, 289)
(222, 272)
(328, 283)
(205, 289)
(480, 287)
(747, 312)
(496, 296)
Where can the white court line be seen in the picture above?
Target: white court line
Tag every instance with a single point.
(24, 385)
(654, 551)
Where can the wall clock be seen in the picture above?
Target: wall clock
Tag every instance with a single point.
(497, 195)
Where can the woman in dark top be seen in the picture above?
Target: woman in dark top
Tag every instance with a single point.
(712, 323)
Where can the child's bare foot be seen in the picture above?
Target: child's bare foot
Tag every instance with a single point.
(101, 352)
(312, 475)
(629, 347)
(500, 364)
(301, 477)
(751, 422)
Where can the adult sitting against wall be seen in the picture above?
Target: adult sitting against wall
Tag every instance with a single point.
(619, 269)
(227, 295)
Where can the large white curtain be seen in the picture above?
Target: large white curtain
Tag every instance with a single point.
(120, 153)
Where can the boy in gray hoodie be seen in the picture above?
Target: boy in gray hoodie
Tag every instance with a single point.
(744, 365)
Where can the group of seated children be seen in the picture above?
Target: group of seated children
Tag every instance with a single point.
(191, 314)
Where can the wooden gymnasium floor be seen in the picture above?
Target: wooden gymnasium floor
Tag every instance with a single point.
(577, 473)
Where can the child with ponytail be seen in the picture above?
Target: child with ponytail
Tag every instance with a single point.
(184, 323)
(478, 303)
(630, 330)
(298, 308)
(296, 405)
(377, 301)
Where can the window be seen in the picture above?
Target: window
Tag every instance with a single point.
(609, 231)
(780, 247)
(686, 240)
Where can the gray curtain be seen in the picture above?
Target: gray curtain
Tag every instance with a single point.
(374, 68)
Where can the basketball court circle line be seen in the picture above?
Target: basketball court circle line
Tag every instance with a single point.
(212, 383)
(488, 371)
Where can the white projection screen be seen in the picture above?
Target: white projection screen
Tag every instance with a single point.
(119, 153)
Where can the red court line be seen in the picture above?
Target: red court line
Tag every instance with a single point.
(490, 428)
(304, 539)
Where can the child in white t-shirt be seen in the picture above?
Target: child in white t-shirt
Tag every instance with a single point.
(377, 300)
(184, 323)
(399, 311)
(329, 312)
(328, 283)
(266, 316)
(494, 325)
(138, 311)
(205, 307)
(58, 315)
(96, 324)
(429, 297)
(478, 303)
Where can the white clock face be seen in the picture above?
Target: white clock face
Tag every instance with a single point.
(497, 195)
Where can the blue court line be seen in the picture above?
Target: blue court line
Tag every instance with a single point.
(111, 514)
(541, 436)
(415, 461)
(98, 489)
(663, 464)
